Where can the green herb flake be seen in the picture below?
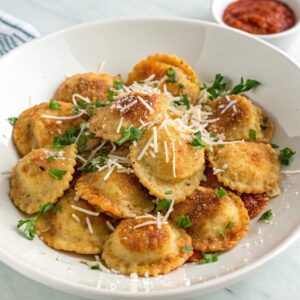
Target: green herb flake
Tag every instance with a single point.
(118, 85)
(54, 104)
(252, 134)
(181, 85)
(94, 164)
(218, 87)
(197, 142)
(220, 192)
(265, 120)
(129, 134)
(230, 225)
(56, 173)
(30, 229)
(111, 94)
(68, 138)
(274, 146)
(184, 222)
(95, 267)
(183, 101)
(163, 204)
(187, 249)
(285, 155)
(244, 86)
(263, 127)
(209, 258)
(222, 234)
(266, 216)
(171, 75)
(57, 209)
(12, 121)
(168, 192)
(50, 158)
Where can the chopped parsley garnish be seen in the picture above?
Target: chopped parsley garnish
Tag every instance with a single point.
(230, 225)
(12, 121)
(274, 146)
(110, 95)
(95, 267)
(209, 258)
(171, 75)
(184, 222)
(99, 103)
(252, 134)
(187, 249)
(68, 138)
(285, 155)
(51, 157)
(265, 120)
(54, 104)
(56, 173)
(266, 216)
(183, 101)
(197, 142)
(222, 234)
(129, 134)
(244, 86)
(168, 192)
(118, 85)
(81, 105)
(220, 88)
(57, 209)
(30, 228)
(220, 192)
(94, 164)
(181, 85)
(163, 204)
(263, 127)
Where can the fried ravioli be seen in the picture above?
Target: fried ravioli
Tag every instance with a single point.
(251, 167)
(33, 131)
(176, 166)
(36, 179)
(146, 249)
(236, 120)
(183, 81)
(121, 195)
(65, 228)
(93, 86)
(129, 110)
(217, 223)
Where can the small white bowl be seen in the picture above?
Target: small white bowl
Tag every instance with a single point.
(282, 39)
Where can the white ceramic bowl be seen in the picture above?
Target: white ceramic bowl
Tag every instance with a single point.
(35, 70)
(282, 40)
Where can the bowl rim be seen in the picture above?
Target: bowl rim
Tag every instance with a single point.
(198, 288)
(218, 18)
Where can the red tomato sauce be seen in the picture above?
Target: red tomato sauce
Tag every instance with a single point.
(259, 16)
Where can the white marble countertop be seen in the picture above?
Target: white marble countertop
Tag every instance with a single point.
(277, 280)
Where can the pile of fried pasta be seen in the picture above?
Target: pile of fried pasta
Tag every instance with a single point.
(146, 174)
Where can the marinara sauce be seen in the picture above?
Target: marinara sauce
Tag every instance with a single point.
(259, 16)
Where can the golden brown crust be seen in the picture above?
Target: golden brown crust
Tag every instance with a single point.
(59, 230)
(91, 85)
(32, 186)
(146, 250)
(107, 119)
(157, 174)
(158, 65)
(236, 121)
(121, 195)
(210, 218)
(254, 203)
(251, 167)
(32, 131)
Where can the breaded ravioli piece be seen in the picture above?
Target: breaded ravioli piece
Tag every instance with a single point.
(34, 130)
(251, 167)
(254, 203)
(218, 224)
(65, 228)
(42, 176)
(146, 249)
(176, 166)
(93, 86)
(130, 110)
(236, 117)
(121, 195)
(181, 79)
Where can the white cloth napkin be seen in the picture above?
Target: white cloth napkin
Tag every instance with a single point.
(14, 32)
